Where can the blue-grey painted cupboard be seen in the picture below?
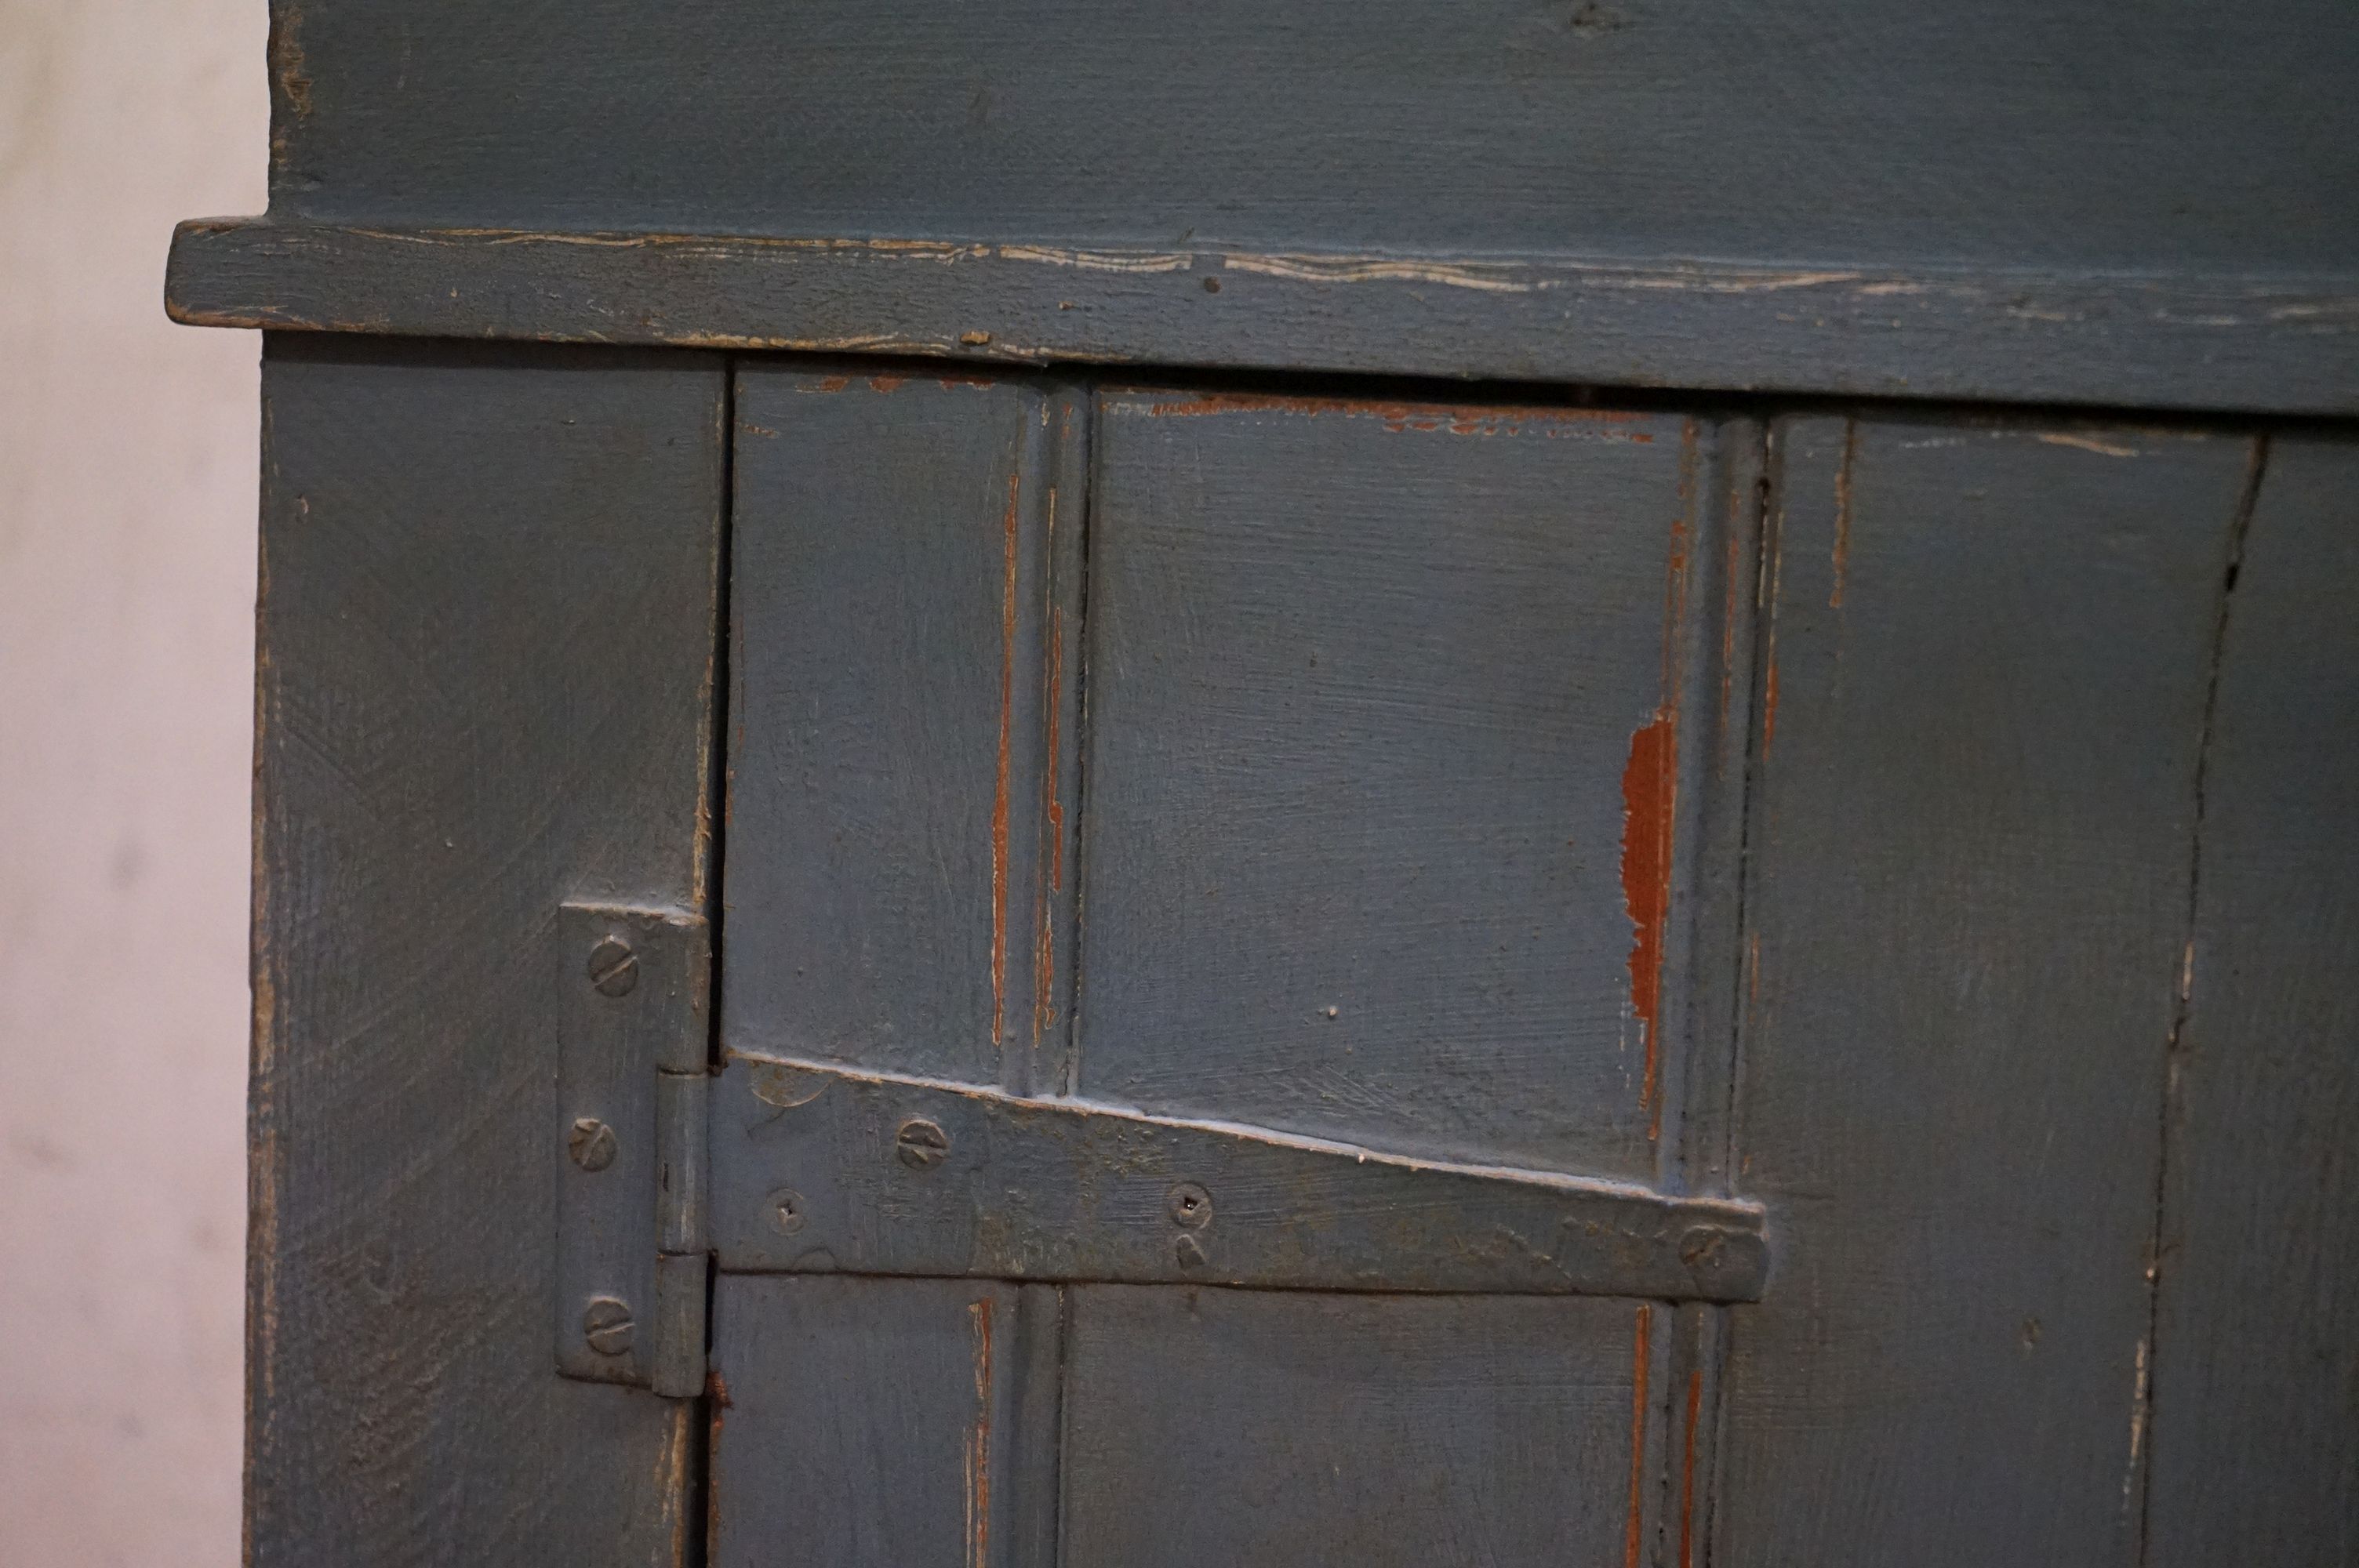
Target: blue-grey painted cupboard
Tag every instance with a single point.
(1146, 784)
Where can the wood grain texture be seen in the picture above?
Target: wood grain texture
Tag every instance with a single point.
(885, 1421)
(486, 637)
(897, 828)
(1277, 1429)
(2256, 1429)
(1818, 132)
(1983, 678)
(2162, 336)
(1383, 728)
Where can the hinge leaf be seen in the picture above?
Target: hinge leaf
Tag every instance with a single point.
(633, 991)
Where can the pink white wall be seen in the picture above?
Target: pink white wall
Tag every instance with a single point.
(126, 589)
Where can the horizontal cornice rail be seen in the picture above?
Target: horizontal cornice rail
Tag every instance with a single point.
(2216, 344)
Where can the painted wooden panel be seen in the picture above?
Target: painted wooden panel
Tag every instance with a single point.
(487, 631)
(2256, 1430)
(900, 721)
(1278, 1429)
(1384, 749)
(2266, 342)
(862, 1420)
(1983, 678)
(1824, 132)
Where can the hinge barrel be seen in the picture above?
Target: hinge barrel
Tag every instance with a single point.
(679, 1161)
(677, 1368)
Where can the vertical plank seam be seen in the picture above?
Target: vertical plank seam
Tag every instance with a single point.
(1767, 553)
(1065, 486)
(2140, 1474)
(1067, 1303)
(1768, 547)
(701, 1416)
(1000, 790)
(1089, 392)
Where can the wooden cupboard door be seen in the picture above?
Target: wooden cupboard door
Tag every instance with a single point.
(1884, 823)
(1316, 768)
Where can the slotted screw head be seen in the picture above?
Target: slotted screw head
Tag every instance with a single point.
(613, 968)
(922, 1144)
(592, 1144)
(606, 1325)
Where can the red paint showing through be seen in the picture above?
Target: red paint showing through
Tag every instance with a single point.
(1634, 1534)
(978, 1441)
(1650, 785)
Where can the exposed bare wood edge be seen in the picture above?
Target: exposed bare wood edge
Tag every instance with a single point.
(2285, 346)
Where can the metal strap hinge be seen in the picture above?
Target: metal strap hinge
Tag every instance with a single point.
(823, 1168)
(634, 987)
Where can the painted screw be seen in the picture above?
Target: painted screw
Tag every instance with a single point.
(1191, 1206)
(922, 1144)
(613, 968)
(787, 1214)
(606, 1325)
(592, 1144)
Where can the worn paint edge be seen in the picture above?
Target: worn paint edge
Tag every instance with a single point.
(2286, 345)
(788, 1079)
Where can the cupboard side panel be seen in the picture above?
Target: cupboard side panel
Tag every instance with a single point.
(486, 637)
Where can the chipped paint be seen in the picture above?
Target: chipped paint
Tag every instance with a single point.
(2087, 444)
(1650, 802)
(289, 68)
(1560, 319)
(1649, 795)
(1457, 420)
(1102, 261)
(978, 1441)
(778, 1084)
(1633, 1533)
(2141, 1400)
(1500, 277)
